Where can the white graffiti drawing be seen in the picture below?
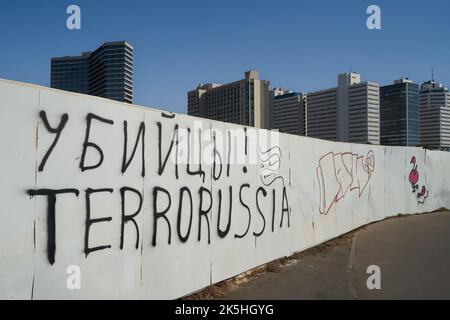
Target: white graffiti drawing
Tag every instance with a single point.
(270, 164)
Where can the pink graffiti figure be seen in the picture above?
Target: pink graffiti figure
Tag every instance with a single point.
(414, 180)
(422, 194)
(414, 175)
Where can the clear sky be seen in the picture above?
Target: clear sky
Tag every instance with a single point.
(300, 45)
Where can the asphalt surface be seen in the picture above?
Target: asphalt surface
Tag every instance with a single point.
(412, 253)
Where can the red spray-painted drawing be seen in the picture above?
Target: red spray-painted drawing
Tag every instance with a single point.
(414, 180)
(339, 173)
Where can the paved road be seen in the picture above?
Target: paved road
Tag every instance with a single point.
(413, 253)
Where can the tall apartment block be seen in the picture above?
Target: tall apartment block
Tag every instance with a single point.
(288, 111)
(434, 116)
(349, 112)
(106, 72)
(400, 113)
(244, 102)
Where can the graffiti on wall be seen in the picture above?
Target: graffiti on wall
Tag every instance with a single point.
(173, 202)
(108, 195)
(270, 164)
(341, 173)
(414, 177)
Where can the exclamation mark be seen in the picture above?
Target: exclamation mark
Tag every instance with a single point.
(246, 147)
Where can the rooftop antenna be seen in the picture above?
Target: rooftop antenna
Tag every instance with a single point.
(432, 74)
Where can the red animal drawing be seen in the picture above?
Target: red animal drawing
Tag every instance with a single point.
(414, 175)
(414, 180)
(338, 173)
(422, 195)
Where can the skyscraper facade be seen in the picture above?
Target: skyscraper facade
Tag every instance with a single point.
(349, 113)
(106, 72)
(434, 116)
(71, 73)
(400, 114)
(322, 114)
(244, 102)
(287, 111)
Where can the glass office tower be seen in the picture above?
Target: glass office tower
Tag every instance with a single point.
(71, 73)
(106, 72)
(400, 114)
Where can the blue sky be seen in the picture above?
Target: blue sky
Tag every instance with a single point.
(300, 45)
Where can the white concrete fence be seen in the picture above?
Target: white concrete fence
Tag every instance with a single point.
(99, 188)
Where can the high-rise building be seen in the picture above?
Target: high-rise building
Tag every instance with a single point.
(322, 114)
(349, 113)
(434, 116)
(400, 114)
(244, 102)
(287, 111)
(106, 72)
(71, 73)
